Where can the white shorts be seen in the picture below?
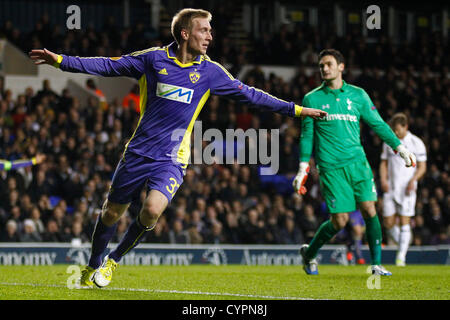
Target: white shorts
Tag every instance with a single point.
(406, 208)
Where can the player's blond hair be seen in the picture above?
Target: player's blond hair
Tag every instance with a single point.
(183, 20)
(399, 118)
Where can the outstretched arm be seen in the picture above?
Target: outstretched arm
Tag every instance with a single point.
(13, 165)
(44, 56)
(131, 65)
(222, 83)
(313, 113)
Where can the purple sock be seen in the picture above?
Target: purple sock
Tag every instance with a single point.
(100, 239)
(131, 239)
(358, 244)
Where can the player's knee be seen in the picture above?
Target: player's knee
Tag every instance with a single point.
(339, 221)
(109, 217)
(404, 221)
(151, 211)
(110, 214)
(368, 209)
(357, 232)
(340, 224)
(388, 223)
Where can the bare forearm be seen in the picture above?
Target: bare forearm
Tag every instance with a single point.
(383, 171)
(420, 172)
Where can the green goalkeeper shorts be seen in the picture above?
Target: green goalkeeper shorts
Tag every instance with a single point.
(344, 188)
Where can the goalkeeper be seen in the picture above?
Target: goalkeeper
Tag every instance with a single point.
(346, 178)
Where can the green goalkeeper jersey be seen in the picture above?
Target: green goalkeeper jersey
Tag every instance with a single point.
(337, 136)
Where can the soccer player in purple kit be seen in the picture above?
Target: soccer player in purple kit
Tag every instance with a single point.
(175, 82)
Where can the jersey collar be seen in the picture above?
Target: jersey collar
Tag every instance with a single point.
(170, 50)
(326, 89)
(407, 135)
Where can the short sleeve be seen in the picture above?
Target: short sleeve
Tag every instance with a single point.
(421, 152)
(384, 152)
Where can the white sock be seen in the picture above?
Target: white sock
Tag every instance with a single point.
(394, 233)
(405, 238)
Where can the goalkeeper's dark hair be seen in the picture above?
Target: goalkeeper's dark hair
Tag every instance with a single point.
(399, 118)
(332, 52)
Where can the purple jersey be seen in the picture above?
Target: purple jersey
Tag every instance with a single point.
(172, 94)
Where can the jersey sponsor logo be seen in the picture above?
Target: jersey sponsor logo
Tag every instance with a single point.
(194, 76)
(175, 93)
(343, 117)
(163, 71)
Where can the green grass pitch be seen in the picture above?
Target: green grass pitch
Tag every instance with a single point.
(204, 282)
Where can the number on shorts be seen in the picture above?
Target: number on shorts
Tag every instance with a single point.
(173, 186)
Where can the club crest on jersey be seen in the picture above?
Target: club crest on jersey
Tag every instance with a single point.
(194, 77)
(349, 104)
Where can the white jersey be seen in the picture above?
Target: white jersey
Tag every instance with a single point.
(398, 174)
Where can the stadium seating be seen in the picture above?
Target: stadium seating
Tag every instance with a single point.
(83, 142)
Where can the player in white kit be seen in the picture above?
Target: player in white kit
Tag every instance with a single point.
(399, 185)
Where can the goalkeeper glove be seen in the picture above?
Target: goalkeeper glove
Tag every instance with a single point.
(300, 178)
(410, 158)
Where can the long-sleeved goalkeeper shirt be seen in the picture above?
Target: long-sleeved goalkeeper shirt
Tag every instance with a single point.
(336, 137)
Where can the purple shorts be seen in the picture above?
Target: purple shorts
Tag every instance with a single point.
(136, 172)
(356, 218)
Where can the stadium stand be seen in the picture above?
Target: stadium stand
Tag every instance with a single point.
(59, 200)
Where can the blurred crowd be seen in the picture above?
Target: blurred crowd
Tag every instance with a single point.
(60, 199)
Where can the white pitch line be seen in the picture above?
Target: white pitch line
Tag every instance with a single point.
(164, 291)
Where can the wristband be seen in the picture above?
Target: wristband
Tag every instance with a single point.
(298, 110)
(58, 61)
(7, 165)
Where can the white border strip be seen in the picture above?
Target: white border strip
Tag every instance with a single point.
(236, 295)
